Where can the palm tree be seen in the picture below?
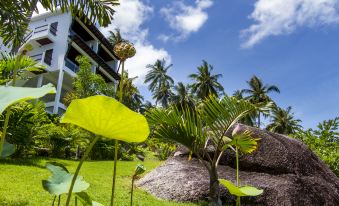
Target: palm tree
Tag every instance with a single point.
(15, 15)
(182, 97)
(283, 121)
(163, 94)
(258, 93)
(17, 66)
(115, 37)
(131, 95)
(248, 119)
(205, 83)
(157, 75)
(194, 128)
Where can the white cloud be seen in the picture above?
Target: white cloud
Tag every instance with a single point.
(277, 17)
(185, 19)
(129, 18)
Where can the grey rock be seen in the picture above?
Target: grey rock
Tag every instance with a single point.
(285, 168)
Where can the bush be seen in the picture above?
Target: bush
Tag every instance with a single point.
(324, 141)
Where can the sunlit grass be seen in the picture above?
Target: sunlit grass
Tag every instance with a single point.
(20, 183)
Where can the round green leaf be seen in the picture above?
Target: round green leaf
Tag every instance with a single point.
(60, 181)
(240, 191)
(107, 117)
(10, 95)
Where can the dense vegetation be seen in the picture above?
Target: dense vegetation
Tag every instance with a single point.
(194, 114)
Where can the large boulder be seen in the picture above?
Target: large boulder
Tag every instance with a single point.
(285, 168)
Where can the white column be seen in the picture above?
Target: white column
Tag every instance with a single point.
(40, 78)
(58, 92)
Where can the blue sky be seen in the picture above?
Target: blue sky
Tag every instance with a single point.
(293, 44)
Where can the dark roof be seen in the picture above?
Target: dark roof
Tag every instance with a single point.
(75, 38)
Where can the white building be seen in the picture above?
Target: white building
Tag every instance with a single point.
(57, 39)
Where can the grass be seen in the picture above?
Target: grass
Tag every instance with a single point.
(20, 183)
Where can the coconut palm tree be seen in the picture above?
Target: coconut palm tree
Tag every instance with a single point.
(157, 76)
(15, 15)
(206, 83)
(182, 96)
(163, 95)
(115, 37)
(248, 119)
(195, 128)
(283, 121)
(258, 93)
(131, 95)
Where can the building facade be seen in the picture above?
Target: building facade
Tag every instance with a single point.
(57, 39)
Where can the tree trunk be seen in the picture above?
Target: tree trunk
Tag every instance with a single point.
(214, 187)
(259, 120)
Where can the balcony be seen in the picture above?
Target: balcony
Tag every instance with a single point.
(83, 45)
(42, 35)
(44, 58)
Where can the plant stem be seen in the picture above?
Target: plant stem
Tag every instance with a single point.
(3, 136)
(59, 200)
(54, 200)
(116, 141)
(83, 158)
(237, 173)
(76, 201)
(132, 190)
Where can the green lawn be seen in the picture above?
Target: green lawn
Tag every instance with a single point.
(20, 183)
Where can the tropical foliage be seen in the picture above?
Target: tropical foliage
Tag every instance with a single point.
(324, 141)
(160, 83)
(17, 66)
(257, 93)
(205, 83)
(283, 121)
(15, 16)
(197, 127)
(87, 83)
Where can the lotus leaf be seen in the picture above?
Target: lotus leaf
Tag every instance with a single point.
(107, 117)
(10, 95)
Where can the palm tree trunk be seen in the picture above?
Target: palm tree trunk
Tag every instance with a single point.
(259, 120)
(214, 187)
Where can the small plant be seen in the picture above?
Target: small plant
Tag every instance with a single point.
(241, 142)
(59, 182)
(140, 169)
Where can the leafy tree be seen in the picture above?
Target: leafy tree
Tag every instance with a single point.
(87, 83)
(196, 128)
(157, 76)
(258, 93)
(283, 121)
(206, 83)
(328, 130)
(182, 96)
(15, 15)
(324, 142)
(17, 66)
